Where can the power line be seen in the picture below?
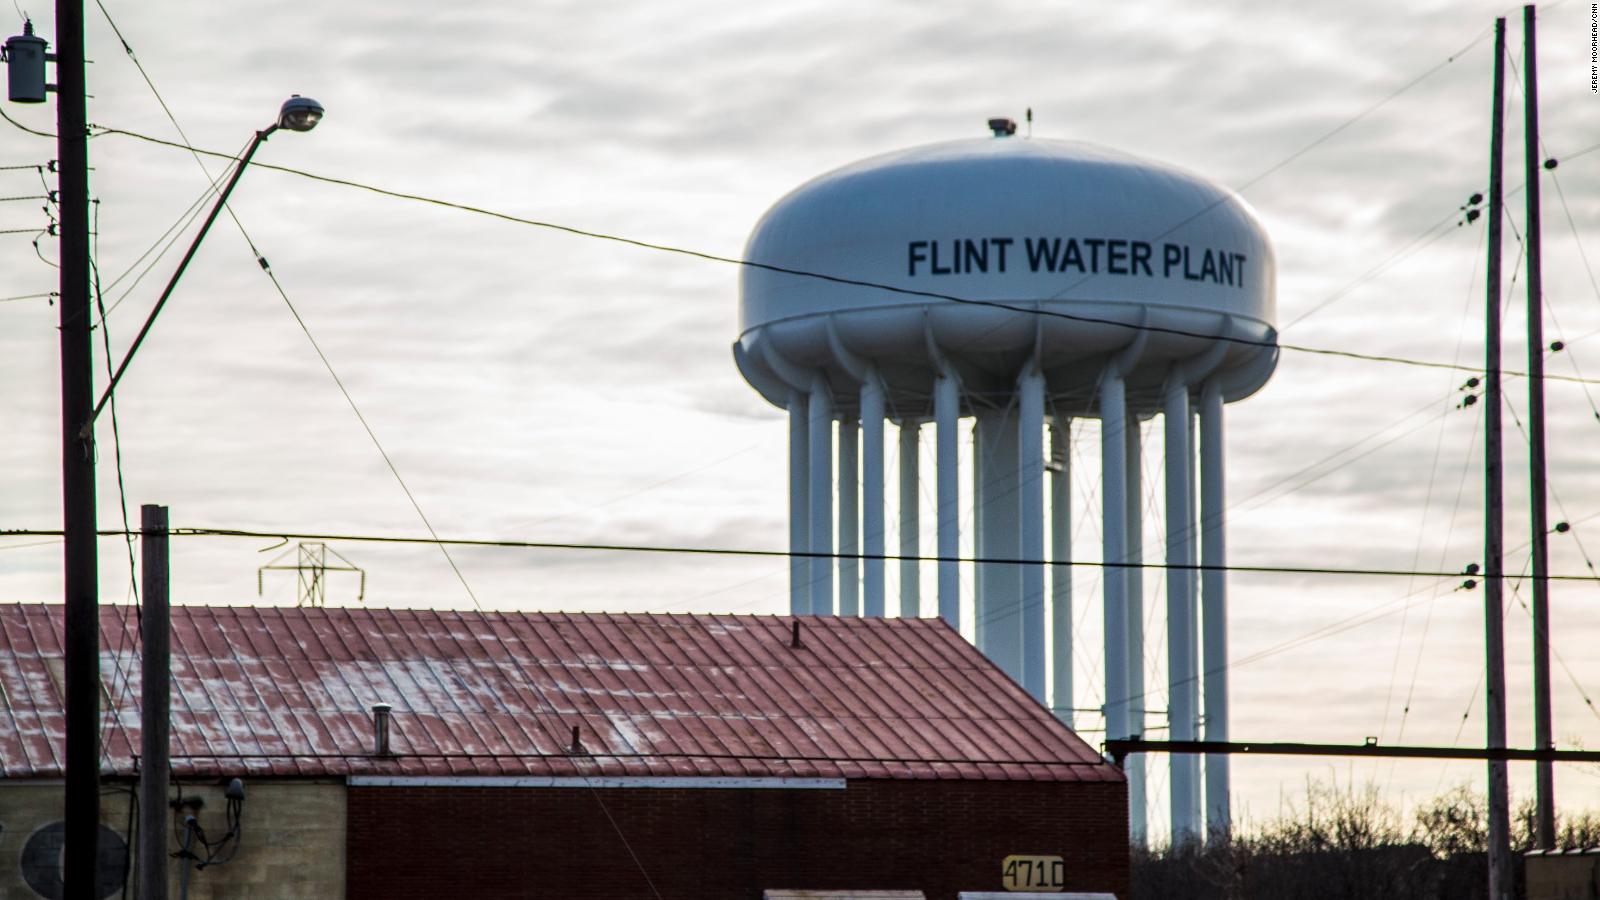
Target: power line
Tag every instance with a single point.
(1415, 245)
(508, 543)
(44, 134)
(261, 260)
(1010, 306)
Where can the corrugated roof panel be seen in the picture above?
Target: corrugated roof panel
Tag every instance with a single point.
(289, 691)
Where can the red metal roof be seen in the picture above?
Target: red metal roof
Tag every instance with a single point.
(276, 691)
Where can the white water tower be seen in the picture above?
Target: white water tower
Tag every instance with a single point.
(1021, 283)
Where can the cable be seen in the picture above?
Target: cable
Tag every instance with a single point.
(507, 543)
(116, 695)
(1010, 306)
(1415, 245)
(1416, 557)
(261, 260)
(14, 122)
(51, 294)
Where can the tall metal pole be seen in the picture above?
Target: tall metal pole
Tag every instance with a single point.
(819, 429)
(155, 705)
(1544, 781)
(1133, 611)
(1183, 676)
(1214, 608)
(80, 861)
(946, 414)
(910, 522)
(849, 515)
(1061, 698)
(1494, 502)
(1030, 465)
(872, 523)
(799, 504)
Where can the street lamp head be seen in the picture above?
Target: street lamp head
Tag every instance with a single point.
(299, 114)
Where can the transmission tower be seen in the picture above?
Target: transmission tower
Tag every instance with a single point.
(311, 567)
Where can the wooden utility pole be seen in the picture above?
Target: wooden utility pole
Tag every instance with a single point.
(1494, 503)
(1544, 780)
(81, 642)
(155, 704)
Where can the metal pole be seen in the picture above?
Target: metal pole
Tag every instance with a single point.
(194, 245)
(1061, 575)
(1499, 850)
(820, 430)
(1030, 476)
(1133, 592)
(799, 505)
(910, 521)
(155, 700)
(1544, 779)
(1183, 687)
(872, 530)
(1214, 608)
(81, 641)
(946, 413)
(1113, 510)
(980, 532)
(849, 516)
(997, 606)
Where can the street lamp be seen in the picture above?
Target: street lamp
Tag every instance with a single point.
(26, 57)
(297, 114)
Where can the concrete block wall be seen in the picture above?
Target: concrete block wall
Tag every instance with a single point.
(293, 840)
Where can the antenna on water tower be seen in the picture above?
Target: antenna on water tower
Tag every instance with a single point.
(312, 567)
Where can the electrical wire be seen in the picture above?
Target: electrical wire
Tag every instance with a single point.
(515, 544)
(261, 260)
(1415, 245)
(1010, 306)
(17, 124)
(116, 695)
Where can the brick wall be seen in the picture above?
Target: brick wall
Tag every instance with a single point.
(727, 844)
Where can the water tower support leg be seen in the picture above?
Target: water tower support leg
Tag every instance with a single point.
(1113, 465)
(1182, 671)
(1214, 600)
(997, 515)
(849, 516)
(1133, 587)
(872, 413)
(910, 521)
(1030, 463)
(946, 413)
(820, 428)
(799, 506)
(1060, 575)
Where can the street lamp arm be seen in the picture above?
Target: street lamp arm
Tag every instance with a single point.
(222, 200)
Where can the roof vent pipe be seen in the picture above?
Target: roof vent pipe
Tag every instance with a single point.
(1003, 127)
(380, 729)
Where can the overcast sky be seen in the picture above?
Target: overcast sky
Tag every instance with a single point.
(536, 385)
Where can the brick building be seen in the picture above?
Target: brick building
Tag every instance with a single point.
(572, 756)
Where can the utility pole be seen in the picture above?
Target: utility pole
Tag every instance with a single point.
(80, 861)
(155, 704)
(1494, 638)
(1544, 780)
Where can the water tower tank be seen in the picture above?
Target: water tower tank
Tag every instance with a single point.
(1022, 283)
